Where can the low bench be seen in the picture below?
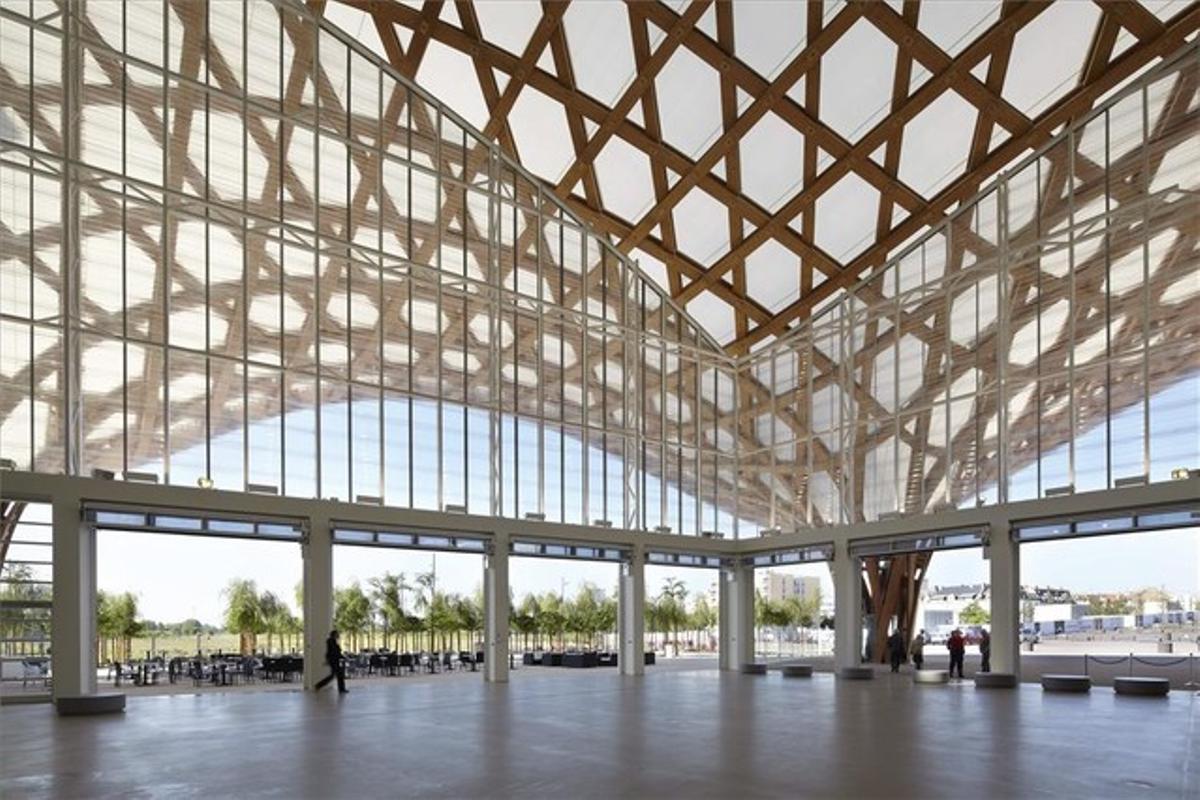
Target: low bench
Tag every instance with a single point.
(798, 671)
(995, 680)
(930, 677)
(856, 673)
(1142, 687)
(754, 669)
(1066, 683)
(87, 704)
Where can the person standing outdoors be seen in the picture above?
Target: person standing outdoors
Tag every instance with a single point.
(957, 647)
(985, 651)
(917, 650)
(333, 657)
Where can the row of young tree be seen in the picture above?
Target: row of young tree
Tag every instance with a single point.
(392, 612)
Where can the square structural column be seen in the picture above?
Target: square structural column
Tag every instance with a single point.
(847, 617)
(735, 590)
(318, 597)
(73, 609)
(1004, 560)
(631, 613)
(495, 610)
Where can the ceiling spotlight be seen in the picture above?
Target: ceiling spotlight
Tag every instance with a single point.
(204, 482)
(1183, 473)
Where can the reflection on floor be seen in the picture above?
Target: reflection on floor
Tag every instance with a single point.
(672, 733)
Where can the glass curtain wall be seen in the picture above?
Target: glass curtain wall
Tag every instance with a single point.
(238, 247)
(1043, 340)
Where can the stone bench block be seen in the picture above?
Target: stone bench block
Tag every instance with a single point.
(80, 705)
(931, 676)
(798, 671)
(1142, 687)
(856, 673)
(1066, 683)
(995, 680)
(754, 669)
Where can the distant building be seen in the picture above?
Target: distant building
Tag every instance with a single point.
(778, 586)
(1059, 612)
(942, 606)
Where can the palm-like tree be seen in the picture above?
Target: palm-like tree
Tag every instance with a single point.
(703, 616)
(351, 611)
(388, 591)
(243, 613)
(272, 610)
(468, 616)
(426, 600)
(526, 619)
(671, 601)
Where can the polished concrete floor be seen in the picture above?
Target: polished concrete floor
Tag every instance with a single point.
(673, 733)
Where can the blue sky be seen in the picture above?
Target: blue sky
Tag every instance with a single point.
(180, 577)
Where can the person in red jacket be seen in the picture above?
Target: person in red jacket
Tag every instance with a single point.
(957, 645)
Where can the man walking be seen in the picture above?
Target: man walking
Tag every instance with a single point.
(333, 657)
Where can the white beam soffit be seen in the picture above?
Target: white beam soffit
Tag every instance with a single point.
(761, 76)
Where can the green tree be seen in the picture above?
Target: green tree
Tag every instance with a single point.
(606, 614)
(672, 607)
(274, 613)
(974, 614)
(552, 619)
(387, 591)
(351, 612)
(243, 613)
(468, 616)
(652, 613)
(426, 596)
(525, 620)
(703, 617)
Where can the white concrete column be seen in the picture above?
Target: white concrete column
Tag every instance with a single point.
(735, 590)
(1004, 559)
(631, 613)
(318, 597)
(495, 611)
(847, 616)
(73, 609)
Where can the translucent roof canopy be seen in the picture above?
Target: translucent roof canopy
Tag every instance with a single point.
(748, 153)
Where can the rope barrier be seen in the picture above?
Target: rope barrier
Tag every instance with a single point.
(1110, 663)
(1174, 663)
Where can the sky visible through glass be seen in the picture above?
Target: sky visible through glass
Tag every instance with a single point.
(180, 577)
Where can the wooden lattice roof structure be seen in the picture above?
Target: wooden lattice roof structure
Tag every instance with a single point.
(756, 157)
